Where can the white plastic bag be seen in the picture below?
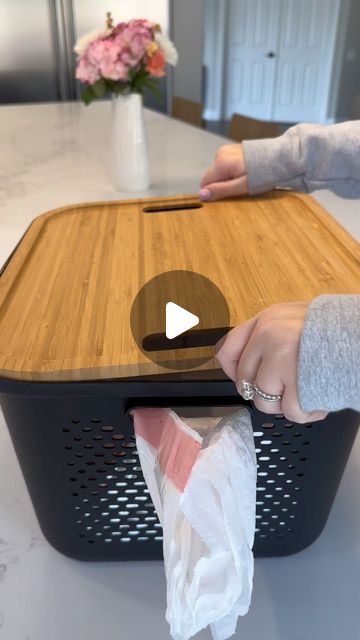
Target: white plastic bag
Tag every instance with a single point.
(202, 479)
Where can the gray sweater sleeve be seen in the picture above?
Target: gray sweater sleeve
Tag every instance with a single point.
(329, 357)
(309, 157)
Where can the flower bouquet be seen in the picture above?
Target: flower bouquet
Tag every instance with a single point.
(123, 60)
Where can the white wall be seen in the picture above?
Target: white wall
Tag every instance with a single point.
(187, 33)
(90, 14)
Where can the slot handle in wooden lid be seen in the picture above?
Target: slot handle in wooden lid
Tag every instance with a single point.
(160, 208)
(189, 340)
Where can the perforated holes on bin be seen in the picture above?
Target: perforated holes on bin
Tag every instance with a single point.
(282, 449)
(110, 500)
(109, 496)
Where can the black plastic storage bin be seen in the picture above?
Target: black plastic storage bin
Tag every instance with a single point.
(72, 364)
(76, 447)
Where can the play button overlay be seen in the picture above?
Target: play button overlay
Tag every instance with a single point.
(177, 317)
(178, 320)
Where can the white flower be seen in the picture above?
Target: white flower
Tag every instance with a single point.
(83, 42)
(167, 47)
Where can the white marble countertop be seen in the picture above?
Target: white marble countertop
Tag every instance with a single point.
(53, 155)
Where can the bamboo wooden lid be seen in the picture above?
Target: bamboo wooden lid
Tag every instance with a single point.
(67, 291)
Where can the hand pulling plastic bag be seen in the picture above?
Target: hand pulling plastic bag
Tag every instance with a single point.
(202, 479)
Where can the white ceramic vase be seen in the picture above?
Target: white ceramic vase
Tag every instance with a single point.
(130, 164)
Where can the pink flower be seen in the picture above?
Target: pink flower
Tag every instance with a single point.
(114, 70)
(103, 55)
(141, 25)
(138, 45)
(101, 51)
(156, 64)
(86, 72)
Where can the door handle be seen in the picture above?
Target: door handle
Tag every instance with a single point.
(270, 54)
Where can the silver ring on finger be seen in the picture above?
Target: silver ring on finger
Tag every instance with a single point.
(246, 390)
(268, 397)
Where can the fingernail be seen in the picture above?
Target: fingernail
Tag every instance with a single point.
(205, 195)
(219, 344)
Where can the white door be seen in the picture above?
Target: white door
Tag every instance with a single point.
(304, 59)
(252, 28)
(279, 58)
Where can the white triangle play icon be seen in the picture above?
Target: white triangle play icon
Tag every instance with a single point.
(178, 320)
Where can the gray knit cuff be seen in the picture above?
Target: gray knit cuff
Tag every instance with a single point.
(305, 158)
(273, 161)
(329, 356)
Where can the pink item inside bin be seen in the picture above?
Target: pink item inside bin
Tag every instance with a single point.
(177, 448)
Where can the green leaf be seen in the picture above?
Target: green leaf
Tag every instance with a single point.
(138, 79)
(152, 85)
(99, 88)
(87, 94)
(112, 84)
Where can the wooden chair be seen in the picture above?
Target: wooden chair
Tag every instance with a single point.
(244, 128)
(187, 110)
